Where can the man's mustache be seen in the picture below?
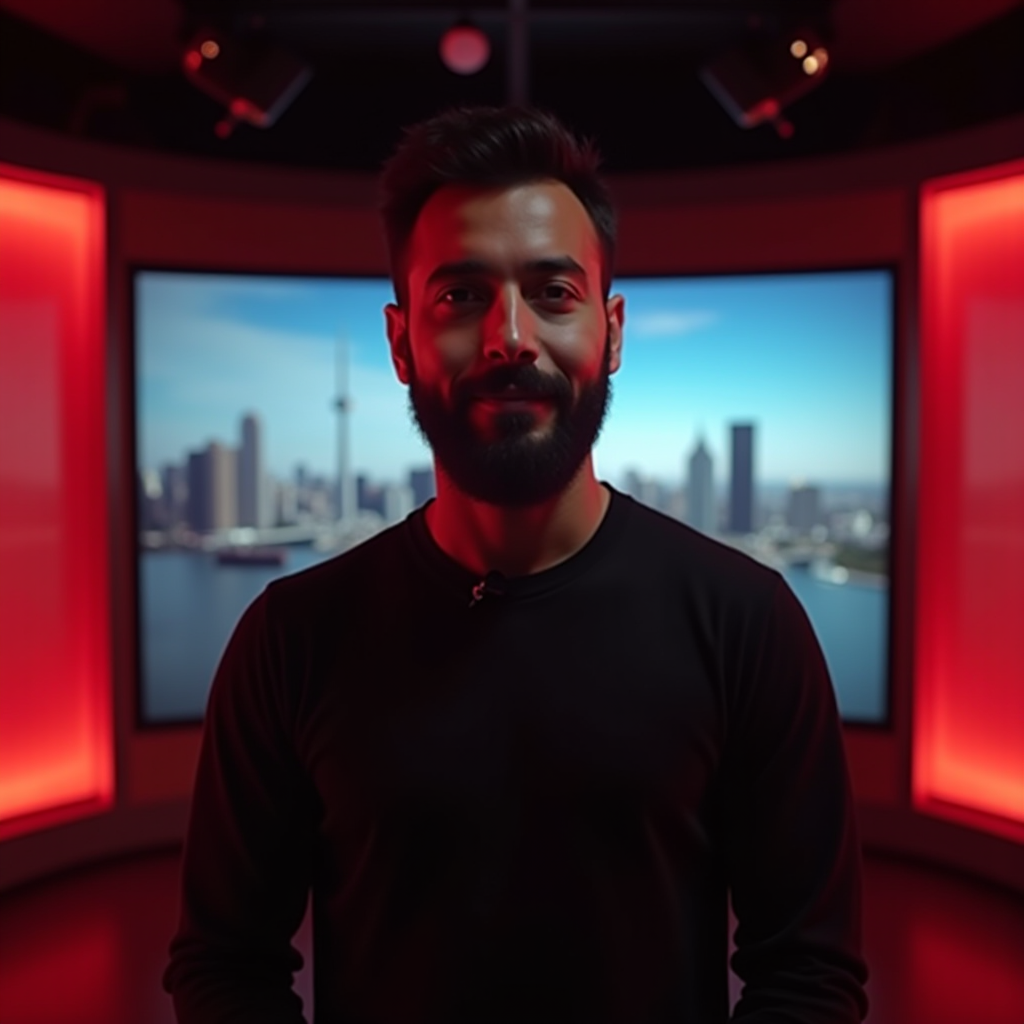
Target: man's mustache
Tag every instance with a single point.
(526, 380)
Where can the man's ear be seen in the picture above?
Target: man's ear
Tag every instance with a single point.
(398, 339)
(615, 310)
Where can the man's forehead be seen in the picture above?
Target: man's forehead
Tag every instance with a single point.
(533, 220)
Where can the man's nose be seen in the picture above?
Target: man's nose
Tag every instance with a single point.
(511, 333)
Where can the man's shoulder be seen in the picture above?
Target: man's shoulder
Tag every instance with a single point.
(370, 562)
(722, 566)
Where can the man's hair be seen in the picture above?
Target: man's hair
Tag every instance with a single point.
(490, 147)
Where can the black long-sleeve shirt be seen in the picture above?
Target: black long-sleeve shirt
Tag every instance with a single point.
(528, 807)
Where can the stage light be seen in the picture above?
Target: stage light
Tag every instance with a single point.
(464, 48)
(253, 80)
(757, 79)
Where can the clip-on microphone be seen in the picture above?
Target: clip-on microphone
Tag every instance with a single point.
(493, 583)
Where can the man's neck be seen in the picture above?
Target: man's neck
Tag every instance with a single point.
(517, 541)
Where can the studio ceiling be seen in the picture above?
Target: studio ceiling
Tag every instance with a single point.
(623, 71)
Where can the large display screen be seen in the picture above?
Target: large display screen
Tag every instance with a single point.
(272, 433)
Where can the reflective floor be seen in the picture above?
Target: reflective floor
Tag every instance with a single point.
(88, 947)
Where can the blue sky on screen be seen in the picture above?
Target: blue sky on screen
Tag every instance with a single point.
(806, 357)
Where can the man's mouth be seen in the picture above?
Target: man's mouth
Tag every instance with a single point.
(511, 402)
(511, 395)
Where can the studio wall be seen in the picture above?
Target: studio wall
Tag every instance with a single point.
(841, 211)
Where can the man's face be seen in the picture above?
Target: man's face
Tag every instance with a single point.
(506, 341)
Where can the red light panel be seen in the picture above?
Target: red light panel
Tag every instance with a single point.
(55, 686)
(969, 687)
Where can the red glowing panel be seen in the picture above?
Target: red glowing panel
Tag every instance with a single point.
(55, 686)
(969, 716)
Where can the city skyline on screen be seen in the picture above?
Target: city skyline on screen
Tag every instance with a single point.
(755, 409)
(805, 357)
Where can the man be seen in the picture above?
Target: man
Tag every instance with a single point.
(520, 746)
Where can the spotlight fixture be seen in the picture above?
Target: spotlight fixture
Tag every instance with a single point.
(464, 48)
(758, 79)
(254, 82)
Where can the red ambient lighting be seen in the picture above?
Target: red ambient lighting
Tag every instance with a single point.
(56, 745)
(969, 687)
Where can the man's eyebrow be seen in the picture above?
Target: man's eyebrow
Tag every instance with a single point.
(556, 265)
(475, 268)
(458, 268)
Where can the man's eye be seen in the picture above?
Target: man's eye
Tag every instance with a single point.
(558, 294)
(458, 295)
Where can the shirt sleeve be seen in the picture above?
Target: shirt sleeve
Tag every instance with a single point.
(247, 856)
(793, 852)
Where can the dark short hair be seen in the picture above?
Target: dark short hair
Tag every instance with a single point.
(490, 147)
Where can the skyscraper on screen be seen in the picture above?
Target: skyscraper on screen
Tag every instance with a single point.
(251, 497)
(741, 479)
(700, 492)
(804, 510)
(213, 488)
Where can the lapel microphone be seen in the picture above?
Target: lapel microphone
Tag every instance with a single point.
(492, 584)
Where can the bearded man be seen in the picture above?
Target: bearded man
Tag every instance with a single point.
(523, 746)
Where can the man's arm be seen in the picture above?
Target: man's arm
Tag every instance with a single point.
(794, 856)
(246, 869)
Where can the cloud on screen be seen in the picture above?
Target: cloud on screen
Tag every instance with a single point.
(669, 323)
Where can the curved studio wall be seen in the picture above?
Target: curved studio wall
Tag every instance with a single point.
(832, 212)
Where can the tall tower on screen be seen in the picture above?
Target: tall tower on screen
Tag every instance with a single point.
(741, 479)
(213, 488)
(700, 490)
(223, 469)
(252, 503)
(346, 486)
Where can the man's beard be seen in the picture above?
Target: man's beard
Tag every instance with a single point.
(516, 470)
